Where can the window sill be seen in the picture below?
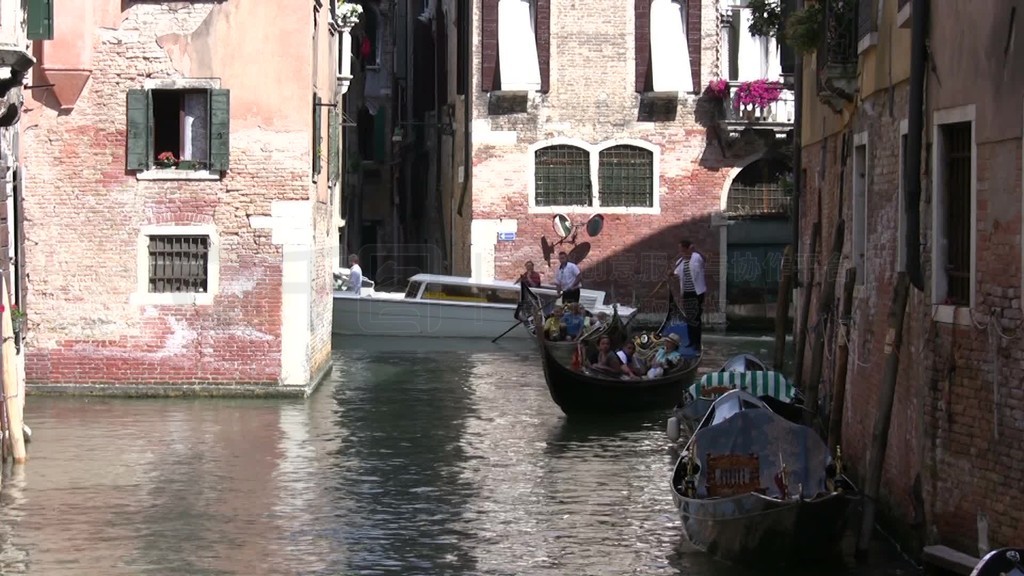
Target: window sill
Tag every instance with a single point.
(949, 314)
(594, 210)
(867, 41)
(172, 174)
(160, 299)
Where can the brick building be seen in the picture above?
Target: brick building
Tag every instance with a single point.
(614, 121)
(956, 421)
(180, 195)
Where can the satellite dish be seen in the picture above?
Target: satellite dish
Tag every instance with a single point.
(546, 249)
(595, 225)
(562, 225)
(579, 252)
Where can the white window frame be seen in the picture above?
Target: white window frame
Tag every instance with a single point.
(594, 155)
(523, 40)
(948, 313)
(179, 84)
(142, 296)
(859, 207)
(902, 248)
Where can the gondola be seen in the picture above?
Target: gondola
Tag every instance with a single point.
(753, 488)
(1001, 562)
(576, 389)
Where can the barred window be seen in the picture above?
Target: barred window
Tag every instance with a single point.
(178, 264)
(562, 176)
(626, 177)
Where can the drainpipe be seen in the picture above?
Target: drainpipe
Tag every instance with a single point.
(798, 177)
(915, 137)
(467, 118)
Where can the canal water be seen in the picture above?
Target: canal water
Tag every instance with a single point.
(415, 458)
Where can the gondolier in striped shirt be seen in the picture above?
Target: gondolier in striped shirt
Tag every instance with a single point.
(689, 267)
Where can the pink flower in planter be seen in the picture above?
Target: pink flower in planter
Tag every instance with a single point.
(718, 89)
(757, 94)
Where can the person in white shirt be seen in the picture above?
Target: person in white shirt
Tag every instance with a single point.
(689, 268)
(355, 277)
(568, 279)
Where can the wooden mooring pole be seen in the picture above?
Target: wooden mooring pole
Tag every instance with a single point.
(825, 303)
(835, 416)
(800, 338)
(782, 309)
(883, 415)
(14, 400)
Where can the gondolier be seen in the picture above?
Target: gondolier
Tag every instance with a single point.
(568, 279)
(689, 267)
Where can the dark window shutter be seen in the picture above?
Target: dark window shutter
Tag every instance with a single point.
(693, 33)
(333, 145)
(642, 18)
(317, 138)
(40, 19)
(464, 27)
(220, 129)
(488, 43)
(138, 150)
(543, 31)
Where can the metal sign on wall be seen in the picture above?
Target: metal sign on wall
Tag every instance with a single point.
(506, 236)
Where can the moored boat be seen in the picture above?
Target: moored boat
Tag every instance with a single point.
(443, 306)
(754, 488)
(578, 389)
(1001, 562)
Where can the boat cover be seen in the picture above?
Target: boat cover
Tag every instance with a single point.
(776, 441)
(765, 383)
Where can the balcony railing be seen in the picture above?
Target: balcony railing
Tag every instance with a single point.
(837, 56)
(778, 115)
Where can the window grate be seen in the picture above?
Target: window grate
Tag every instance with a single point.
(956, 140)
(765, 198)
(178, 264)
(562, 176)
(626, 177)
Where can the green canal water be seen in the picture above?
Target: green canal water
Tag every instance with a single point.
(441, 458)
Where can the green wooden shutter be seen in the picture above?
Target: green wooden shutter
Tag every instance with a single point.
(40, 19)
(316, 136)
(220, 129)
(138, 150)
(333, 145)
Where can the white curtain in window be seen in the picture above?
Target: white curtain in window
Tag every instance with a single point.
(670, 52)
(750, 53)
(195, 133)
(517, 46)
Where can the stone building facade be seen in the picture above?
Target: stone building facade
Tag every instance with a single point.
(615, 122)
(179, 168)
(956, 419)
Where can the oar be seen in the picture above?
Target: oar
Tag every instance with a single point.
(655, 291)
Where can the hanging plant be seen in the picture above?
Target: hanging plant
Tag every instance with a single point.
(348, 14)
(804, 27)
(765, 18)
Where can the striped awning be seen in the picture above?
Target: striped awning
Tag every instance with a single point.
(759, 383)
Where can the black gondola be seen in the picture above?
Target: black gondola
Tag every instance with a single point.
(1001, 562)
(579, 390)
(754, 488)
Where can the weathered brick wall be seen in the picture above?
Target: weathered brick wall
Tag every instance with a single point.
(593, 98)
(86, 212)
(956, 417)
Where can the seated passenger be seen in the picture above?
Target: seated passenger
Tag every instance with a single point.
(604, 360)
(628, 361)
(554, 326)
(666, 358)
(573, 322)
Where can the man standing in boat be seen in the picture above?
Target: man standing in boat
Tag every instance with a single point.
(355, 276)
(689, 267)
(568, 279)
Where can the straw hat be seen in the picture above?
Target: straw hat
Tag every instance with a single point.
(676, 339)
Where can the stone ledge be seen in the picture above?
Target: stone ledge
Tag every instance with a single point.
(190, 390)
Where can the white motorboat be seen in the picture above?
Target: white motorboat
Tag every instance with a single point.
(445, 307)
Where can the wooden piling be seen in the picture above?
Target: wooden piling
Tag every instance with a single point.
(800, 338)
(782, 309)
(883, 415)
(13, 400)
(825, 304)
(835, 418)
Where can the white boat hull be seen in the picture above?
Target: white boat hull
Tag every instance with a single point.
(409, 317)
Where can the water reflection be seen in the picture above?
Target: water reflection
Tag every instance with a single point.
(447, 459)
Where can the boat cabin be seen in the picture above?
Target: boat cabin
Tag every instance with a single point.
(460, 289)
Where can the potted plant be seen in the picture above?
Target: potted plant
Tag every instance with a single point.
(166, 160)
(766, 19)
(718, 89)
(756, 95)
(348, 14)
(18, 318)
(804, 28)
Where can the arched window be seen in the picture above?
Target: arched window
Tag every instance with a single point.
(626, 176)
(562, 176)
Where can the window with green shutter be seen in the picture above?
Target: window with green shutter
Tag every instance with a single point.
(180, 129)
(39, 16)
(333, 145)
(316, 136)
